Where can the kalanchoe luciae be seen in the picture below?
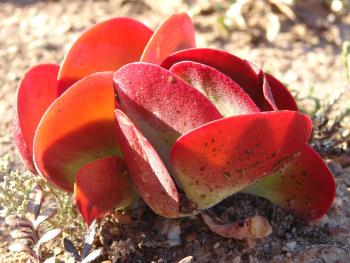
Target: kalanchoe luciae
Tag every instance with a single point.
(185, 127)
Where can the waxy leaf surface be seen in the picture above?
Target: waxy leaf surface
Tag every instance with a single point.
(78, 128)
(150, 175)
(101, 186)
(304, 186)
(162, 105)
(36, 91)
(282, 97)
(268, 94)
(220, 158)
(228, 97)
(246, 74)
(174, 34)
(106, 46)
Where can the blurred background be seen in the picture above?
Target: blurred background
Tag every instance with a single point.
(300, 42)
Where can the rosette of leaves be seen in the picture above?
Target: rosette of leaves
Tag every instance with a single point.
(25, 232)
(131, 112)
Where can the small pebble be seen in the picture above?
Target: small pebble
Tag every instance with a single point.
(291, 245)
(216, 245)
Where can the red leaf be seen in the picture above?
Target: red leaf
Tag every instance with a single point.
(150, 175)
(268, 94)
(36, 91)
(101, 186)
(162, 105)
(304, 186)
(282, 97)
(244, 73)
(228, 97)
(104, 47)
(78, 128)
(174, 34)
(220, 158)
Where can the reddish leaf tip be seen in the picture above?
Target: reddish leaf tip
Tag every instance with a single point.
(304, 186)
(36, 91)
(106, 46)
(149, 173)
(103, 185)
(174, 34)
(77, 128)
(222, 157)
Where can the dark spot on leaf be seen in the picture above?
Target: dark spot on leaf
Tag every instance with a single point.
(227, 175)
(256, 164)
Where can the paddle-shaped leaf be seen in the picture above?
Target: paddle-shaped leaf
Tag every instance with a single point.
(36, 91)
(304, 186)
(78, 128)
(162, 105)
(246, 74)
(228, 97)
(104, 47)
(220, 158)
(101, 186)
(150, 175)
(174, 34)
(266, 91)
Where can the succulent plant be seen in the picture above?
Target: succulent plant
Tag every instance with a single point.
(134, 112)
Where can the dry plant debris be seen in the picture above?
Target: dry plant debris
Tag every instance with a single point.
(25, 230)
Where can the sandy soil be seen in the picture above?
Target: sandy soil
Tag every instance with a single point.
(306, 53)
